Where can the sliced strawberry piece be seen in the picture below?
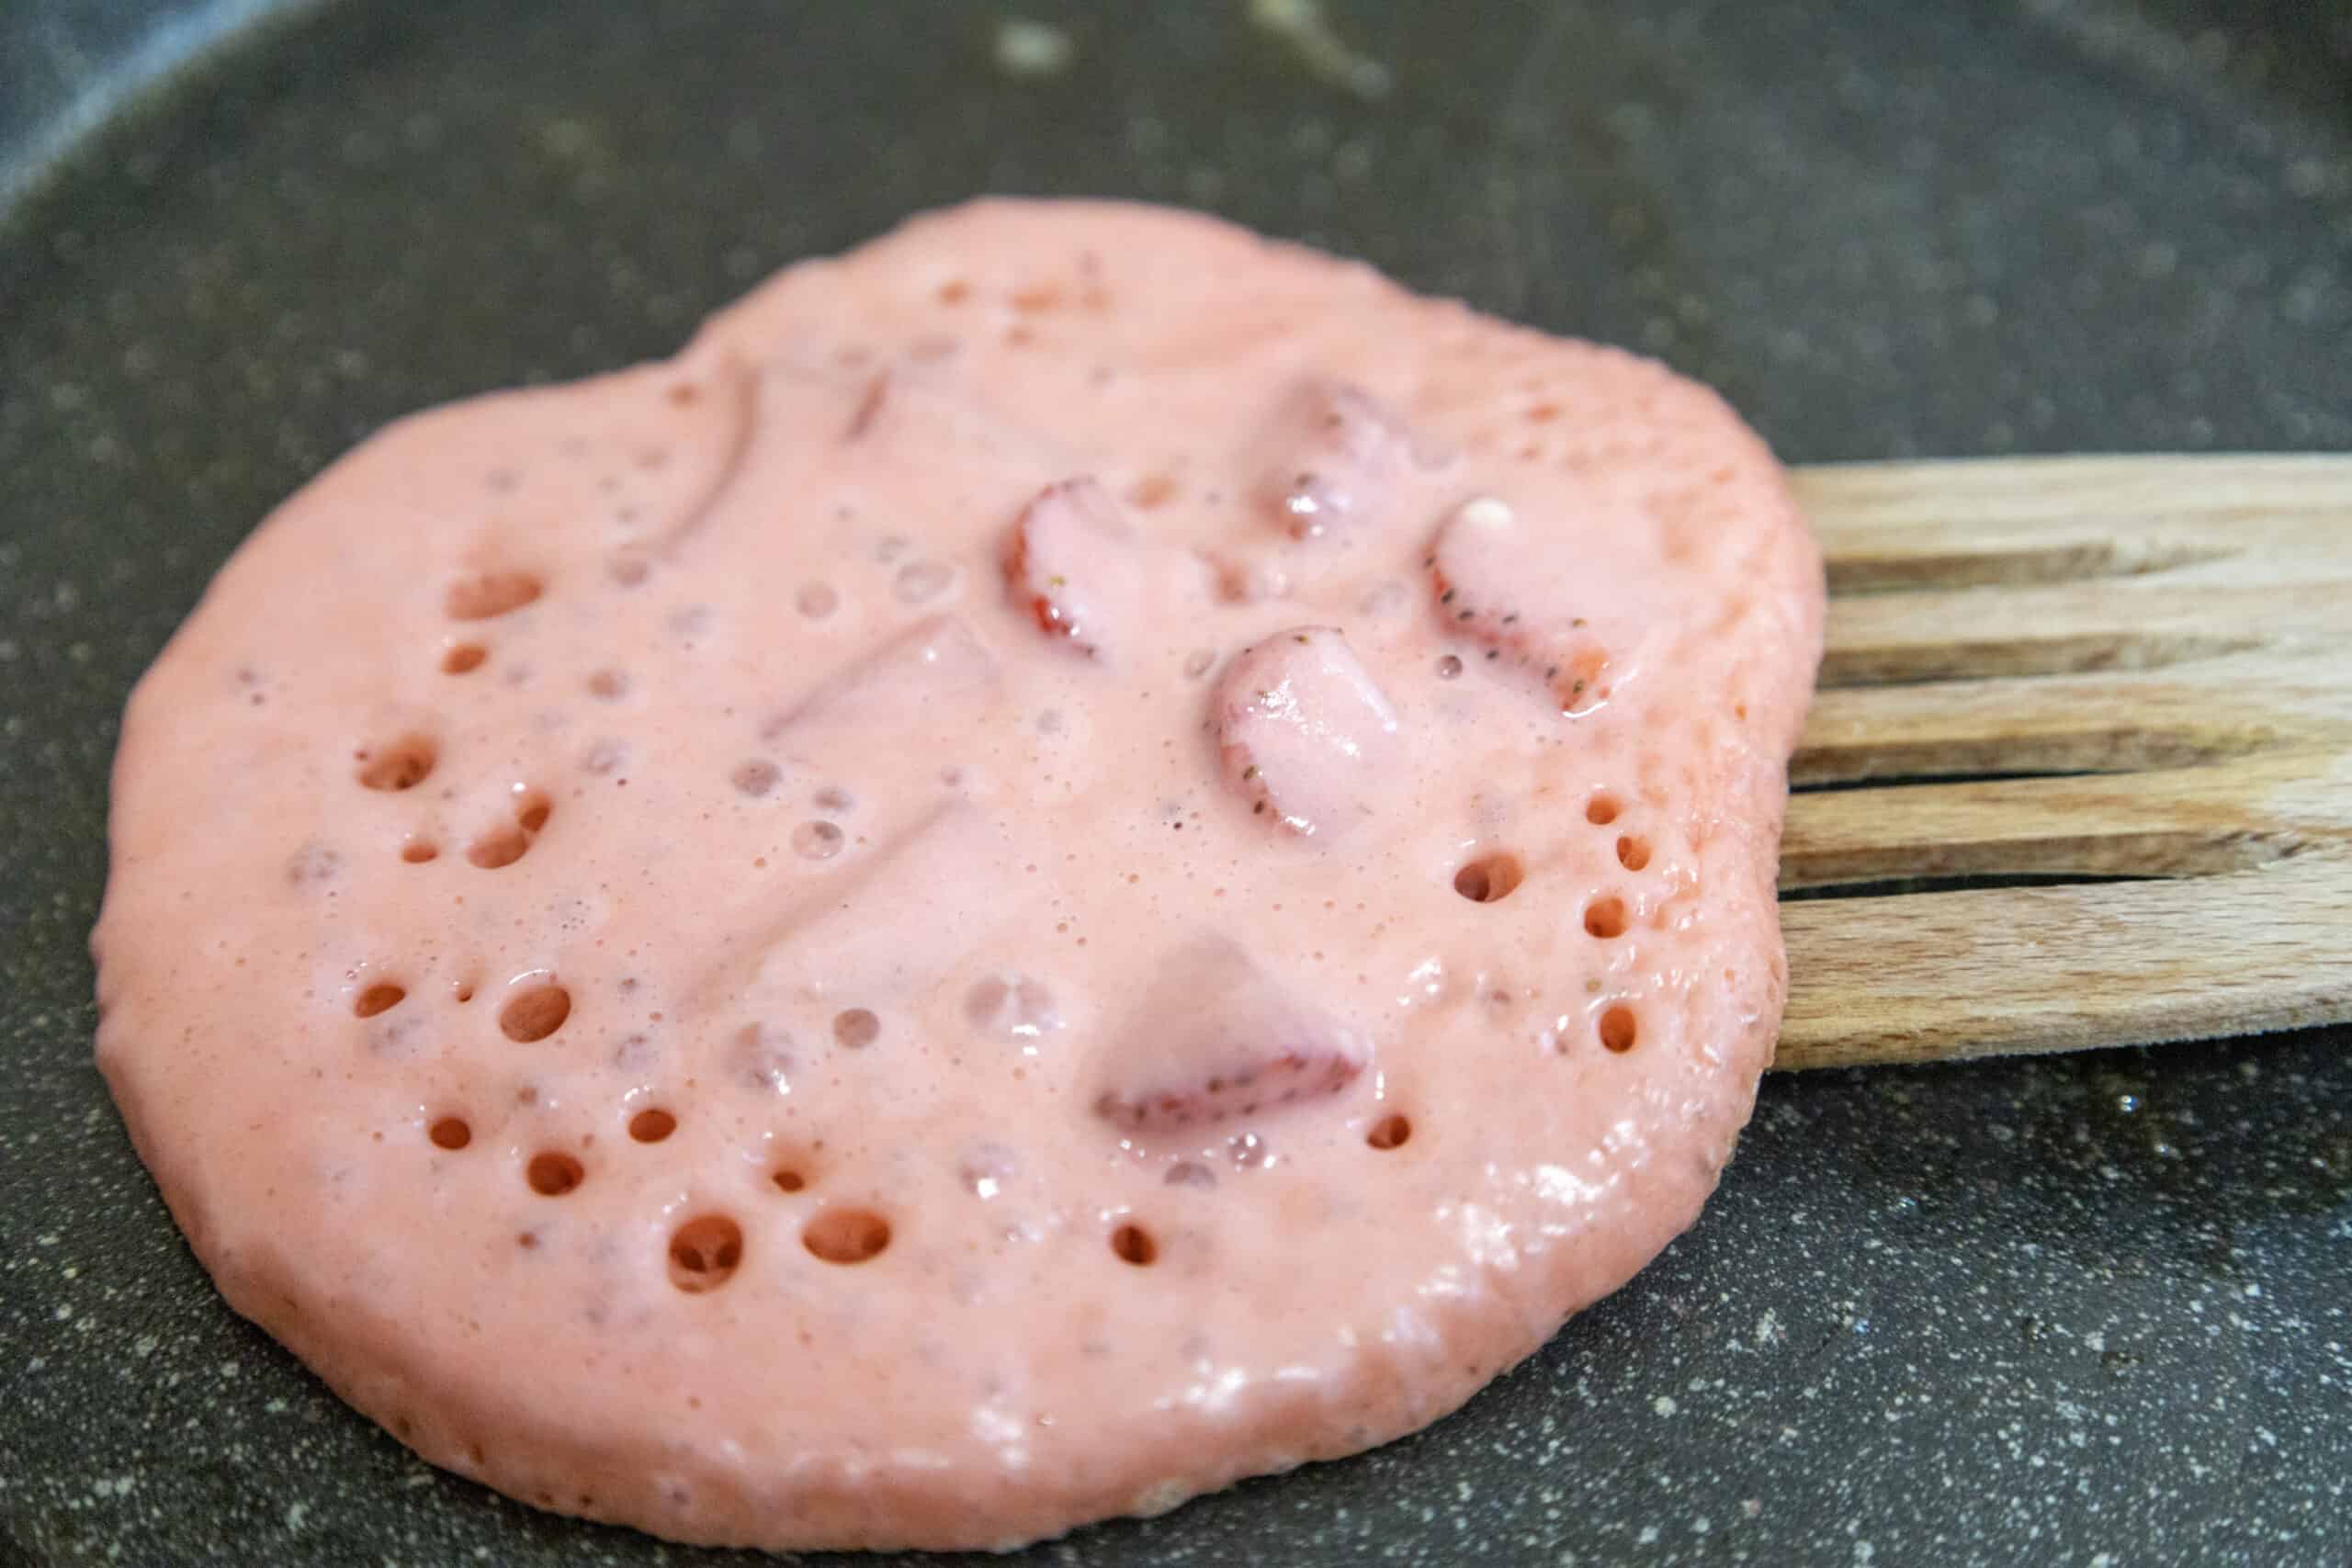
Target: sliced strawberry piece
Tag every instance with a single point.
(1301, 727)
(1335, 456)
(1074, 564)
(1502, 585)
(1216, 1040)
(933, 667)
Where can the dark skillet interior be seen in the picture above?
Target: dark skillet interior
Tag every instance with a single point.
(2066, 1312)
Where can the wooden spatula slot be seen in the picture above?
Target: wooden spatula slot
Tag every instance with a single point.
(2130, 678)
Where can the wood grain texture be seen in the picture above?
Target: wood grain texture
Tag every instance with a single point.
(2080, 771)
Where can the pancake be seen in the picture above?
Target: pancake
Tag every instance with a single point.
(1079, 857)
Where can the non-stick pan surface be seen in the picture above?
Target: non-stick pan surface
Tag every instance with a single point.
(2095, 1311)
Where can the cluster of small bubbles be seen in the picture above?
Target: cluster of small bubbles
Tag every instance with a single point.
(986, 1168)
(1011, 1007)
(816, 840)
(761, 1059)
(314, 862)
(918, 580)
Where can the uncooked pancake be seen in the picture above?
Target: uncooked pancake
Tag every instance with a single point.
(1079, 857)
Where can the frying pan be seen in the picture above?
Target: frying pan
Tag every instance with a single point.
(2076, 1311)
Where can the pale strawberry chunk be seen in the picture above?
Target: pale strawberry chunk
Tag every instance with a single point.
(930, 667)
(1216, 1040)
(1502, 588)
(1075, 566)
(1335, 456)
(1303, 730)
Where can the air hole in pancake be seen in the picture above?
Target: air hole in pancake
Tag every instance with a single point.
(846, 1236)
(609, 684)
(626, 571)
(1153, 490)
(500, 847)
(1618, 1028)
(955, 291)
(463, 991)
(464, 657)
(856, 1027)
(1133, 1244)
(1633, 854)
(451, 1132)
(381, 997)
(817, 600)
(1605, 918)
(834, 799)
(788, 1179)
(1601, 810)
(532, 810)
(552, 1173)
(705, 1252)
(402, 764)
(817, 841)
(756, 778)
(1390, 1132)
(1449, 667)
(417, 851)
(534, 1013)
(684, 395)
(1488, 878)
(652, 1125)
(488, 595)
(1190, 1173)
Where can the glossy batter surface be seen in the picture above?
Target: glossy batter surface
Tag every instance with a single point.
(1079, 857)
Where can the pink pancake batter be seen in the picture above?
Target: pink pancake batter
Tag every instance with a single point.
(1079, 857)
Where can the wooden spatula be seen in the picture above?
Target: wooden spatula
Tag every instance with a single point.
(2080, 771)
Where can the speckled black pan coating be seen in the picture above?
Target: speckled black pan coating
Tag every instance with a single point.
(2070, 1312)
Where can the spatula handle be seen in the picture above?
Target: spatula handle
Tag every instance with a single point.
(2130, 677)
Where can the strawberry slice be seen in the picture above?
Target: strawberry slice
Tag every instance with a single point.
(1216, 1040)
(933, 667)
(1336, 456)
(1074, 566)
(1501, 584)
(1302, 727)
